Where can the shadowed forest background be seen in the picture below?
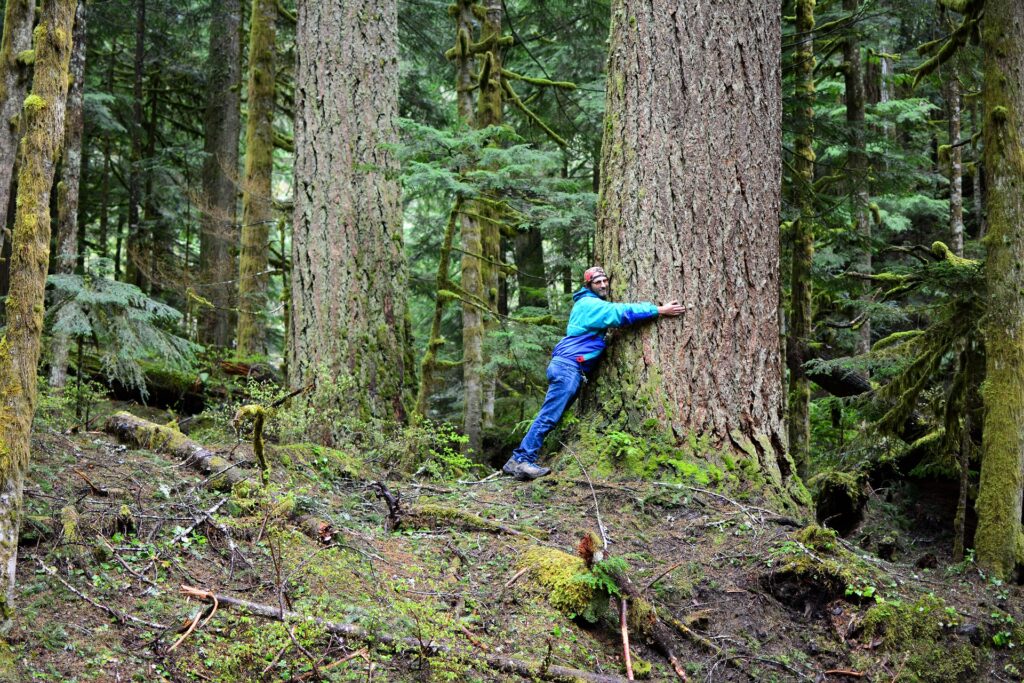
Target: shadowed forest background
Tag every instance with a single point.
(281, 281)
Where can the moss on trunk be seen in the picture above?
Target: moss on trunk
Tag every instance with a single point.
(257, 199)
(19, 347)
(998, 540)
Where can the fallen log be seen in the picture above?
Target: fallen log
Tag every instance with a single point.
(526, 669)
(222, 475)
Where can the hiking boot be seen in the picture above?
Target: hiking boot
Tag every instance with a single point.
(509, 467)
(528, 471)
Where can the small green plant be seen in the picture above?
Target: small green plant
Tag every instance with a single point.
(1003, 638)
(862, 589)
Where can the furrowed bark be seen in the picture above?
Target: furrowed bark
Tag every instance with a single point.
(220, 168)
(689, 209)
(349, 311)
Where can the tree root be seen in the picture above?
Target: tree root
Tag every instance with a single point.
(526, 669)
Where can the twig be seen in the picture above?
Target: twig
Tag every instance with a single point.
(96, 491)
(597, 509)
(662, 575)
(900, 670)
(515, 577)
(623, 607)
(843, 672)
(195, 623)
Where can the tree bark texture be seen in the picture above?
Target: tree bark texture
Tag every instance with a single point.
(349, 280)
(15, 72)
(801, 320)
(68, 187)
(471, 242)
(221, 126)
(998, 540)
(490, 112)
(257, 198)
(43, 117)
(857, 163)
(689, 208)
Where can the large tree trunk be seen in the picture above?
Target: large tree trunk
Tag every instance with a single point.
(67, 189)
(801, 321)
(857, 163)
(220, 168)
(689, 208)
(257, 199)
(14, 78)
(529, 255)
(349, 278)
(19, 347)
(998, 540)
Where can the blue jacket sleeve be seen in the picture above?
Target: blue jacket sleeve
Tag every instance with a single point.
(595, 315)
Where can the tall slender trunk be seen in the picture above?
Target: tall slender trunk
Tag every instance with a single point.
(689, 209)
(490, 112)
(998, 540)
(529, 255)
(43, 114)
(857, 164)
(951, 93)
(471, 238)
(15, 72)
(435, 341)
(801, 321)
(977, 203)
(133, 244)
(221, 126)
(257, 200)
(349, 279)
(67, 188)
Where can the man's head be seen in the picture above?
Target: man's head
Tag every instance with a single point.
(596, 280)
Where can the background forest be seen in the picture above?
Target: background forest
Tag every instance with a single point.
(349, 233)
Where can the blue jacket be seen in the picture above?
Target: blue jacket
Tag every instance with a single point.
(590, 318)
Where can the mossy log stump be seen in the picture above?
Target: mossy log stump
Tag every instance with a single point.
(532, 670)
(222, 475)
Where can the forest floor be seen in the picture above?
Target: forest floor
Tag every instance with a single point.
(113, 532)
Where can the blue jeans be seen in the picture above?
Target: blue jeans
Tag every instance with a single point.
(564, 380)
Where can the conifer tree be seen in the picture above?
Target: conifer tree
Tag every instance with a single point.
(15, 69)
(220, 167)
(43, 114)
(999, 541)
(800, 322)
(257, 202)
(349, 313)
(689, 209)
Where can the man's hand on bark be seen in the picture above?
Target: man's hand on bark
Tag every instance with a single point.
(671, 309)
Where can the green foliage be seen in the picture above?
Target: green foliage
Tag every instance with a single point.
(126, 327)
(921, 632)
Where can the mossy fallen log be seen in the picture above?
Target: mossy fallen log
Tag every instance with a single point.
(221, 474)
(527, 669)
